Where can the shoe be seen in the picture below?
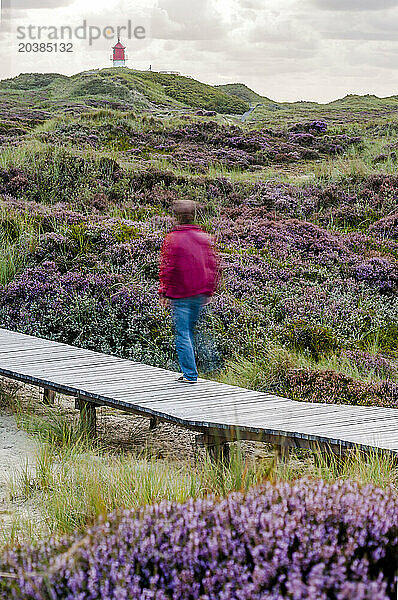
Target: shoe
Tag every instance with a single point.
(183, 379)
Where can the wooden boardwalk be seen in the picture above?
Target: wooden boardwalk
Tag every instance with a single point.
(220, 412)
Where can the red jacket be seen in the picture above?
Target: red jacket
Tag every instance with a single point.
(188, 265)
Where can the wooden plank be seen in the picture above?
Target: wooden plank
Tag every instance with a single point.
(125, 383)
(146, 383)
(79, 376)
(291, 428)
(210, 402)
(15, 352)
(331, 409)
(246, 407)
(264, 422)
(57, 357)
(47, 365)
(172, 395)
(161, 396)
(199, 406)
(390, 435)
(372, 439)
(254, 409)
(54, 354)
(89, 371)
(279, 409)
(15, 347)
(370, 426)
(326, 419)
(170, 388)
(380, 429)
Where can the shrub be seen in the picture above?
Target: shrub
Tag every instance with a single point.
(386, 227)
(378, 272)
(302, 335)
(309, 540)
(378, 364)
(313, 385)
(13, 181)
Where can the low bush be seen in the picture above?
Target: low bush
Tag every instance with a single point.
(316, 339)
(332, 387)
(309, 540)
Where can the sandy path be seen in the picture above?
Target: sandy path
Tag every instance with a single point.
(16, 449)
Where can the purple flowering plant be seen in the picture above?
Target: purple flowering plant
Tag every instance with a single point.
(303, 540)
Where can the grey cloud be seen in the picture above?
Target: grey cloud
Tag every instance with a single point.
(179, 19)
(283, 30)
(283, 33)
(362, 5)
(381, 26)
(32, 4)
(361, 35)
(278, 34)
(11, 10)
(252, 4)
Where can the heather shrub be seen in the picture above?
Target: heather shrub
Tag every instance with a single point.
(13, 181)
(352, 377)
(59, 176)
(312, 385)
(378, 272)
(301, 335)
(379, 365)
(17, 215)
(52, 174)
(357, 316)
(90, 310)
(54, 247)
(386, 227)
(309, 540)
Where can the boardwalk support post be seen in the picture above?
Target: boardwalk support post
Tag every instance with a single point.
(88, 417)
(216, 446)
(48, 396)
(282, 450)
(153, 423)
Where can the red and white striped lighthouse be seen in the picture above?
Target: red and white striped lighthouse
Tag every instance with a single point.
(119, 57)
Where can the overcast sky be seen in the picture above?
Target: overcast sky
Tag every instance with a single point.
(284, 49)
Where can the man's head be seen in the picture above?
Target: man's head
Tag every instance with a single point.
(184, 211)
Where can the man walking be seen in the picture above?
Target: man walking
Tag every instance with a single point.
(188, 277)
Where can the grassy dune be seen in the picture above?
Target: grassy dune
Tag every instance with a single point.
(302, 201)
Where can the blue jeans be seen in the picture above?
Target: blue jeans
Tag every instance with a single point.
(186, 312)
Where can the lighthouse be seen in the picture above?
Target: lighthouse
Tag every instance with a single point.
(119, 57)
